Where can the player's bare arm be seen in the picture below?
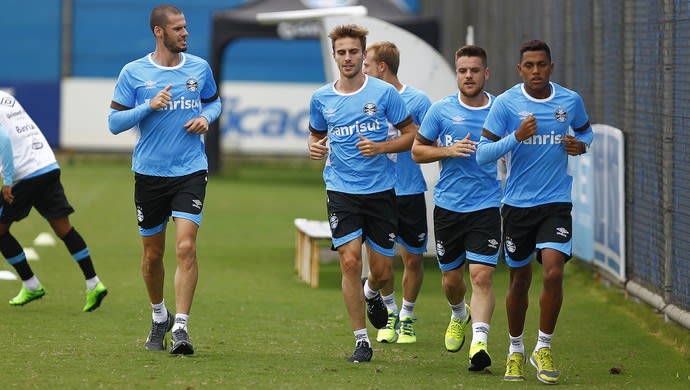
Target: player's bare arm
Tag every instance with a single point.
(528, 127)
(425, 151)
(7, 194)
(197, 125)
(573, 146)
(318, 150)
(162, 98)
(399, 144)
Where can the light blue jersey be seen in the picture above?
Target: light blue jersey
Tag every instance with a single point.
(410, 178)
(537, 167)
(165, 147)
(463, 185)
(345, 117)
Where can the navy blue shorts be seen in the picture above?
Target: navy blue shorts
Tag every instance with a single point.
(371, 216)
(475, 236)
(44, 192)
(412, 228)
(534, 228)
(157, 198)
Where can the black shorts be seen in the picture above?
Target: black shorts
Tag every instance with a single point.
(534, 228)
(412, 228)
(44, 192)
(157, 198)
(475, 236)
(371, 216)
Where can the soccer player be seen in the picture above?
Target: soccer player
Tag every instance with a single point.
(348, 127)
(382, 61)
(170, 97)
(31, 179)
(467, 219)
(531, 122)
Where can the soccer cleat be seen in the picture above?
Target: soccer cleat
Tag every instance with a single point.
(156, 338)
(389, 334)
(94, 297)
(180, 343)
(407, 333)
(543, 362)
(455, 333)
(377, 312)
(479, 356)
(362, 353)
(25, 296)
(515, 367)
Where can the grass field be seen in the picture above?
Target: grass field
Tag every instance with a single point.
(255, 325)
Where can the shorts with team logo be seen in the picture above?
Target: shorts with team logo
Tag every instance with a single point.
(534, 228)
(412, 228)
(157, 198)
(44, 192)
(371, 216)
(474, 236)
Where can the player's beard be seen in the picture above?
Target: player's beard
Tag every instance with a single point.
(172, 45)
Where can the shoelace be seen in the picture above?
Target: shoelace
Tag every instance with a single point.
(455, 327)
(180, 334)
(158, 329)
(391, 321)
(513, 366)
(407, 328)
(545, 361)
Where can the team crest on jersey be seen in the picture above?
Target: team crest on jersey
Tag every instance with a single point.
(440, 249)
(333, 221)
(370, 109)
(7, 101)
(457, 119)
(561, 115)
(192, 84)
(510, 245)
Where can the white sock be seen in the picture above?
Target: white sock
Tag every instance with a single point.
(480, 332)
(516, 344)
(407, 309)
(543, 341)
(32, 283)
(159, 312)
(361, 334)
(180, 322)
(389, 300)
(368, 292)
(459, 311)
(92, 283)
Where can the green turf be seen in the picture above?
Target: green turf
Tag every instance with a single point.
(255, 325)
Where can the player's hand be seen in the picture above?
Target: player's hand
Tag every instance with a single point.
(528, 127)
(366, 147)
(197, 125)
(572, 146)
(462, 148)
(7, 194)
(318, 150)
(162, 98)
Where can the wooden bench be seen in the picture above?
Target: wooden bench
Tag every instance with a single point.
(307, 260)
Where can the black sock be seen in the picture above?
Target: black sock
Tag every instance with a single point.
(77, 248)
(10, 249)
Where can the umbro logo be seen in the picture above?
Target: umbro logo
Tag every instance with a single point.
(563, 232)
